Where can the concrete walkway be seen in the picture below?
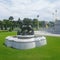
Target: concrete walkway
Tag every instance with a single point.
(44, 33)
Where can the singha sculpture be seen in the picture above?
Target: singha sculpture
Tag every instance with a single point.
(26, 30)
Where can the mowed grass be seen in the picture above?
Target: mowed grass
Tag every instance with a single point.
(51, 51)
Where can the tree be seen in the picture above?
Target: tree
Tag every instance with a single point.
(43, 24)
(5, 23)
(27, 21)
(51, 23)
(11, 23)
(11, 18)
(35, 23)
(19, 23)
(1, 25)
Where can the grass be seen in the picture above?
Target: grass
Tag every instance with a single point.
(51, 51)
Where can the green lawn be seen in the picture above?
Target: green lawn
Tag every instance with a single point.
(51, 51)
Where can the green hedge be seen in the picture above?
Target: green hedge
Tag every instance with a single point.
(3, 30)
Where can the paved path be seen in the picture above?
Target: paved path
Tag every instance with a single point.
(45, 33)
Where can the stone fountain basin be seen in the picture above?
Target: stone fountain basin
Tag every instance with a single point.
(25, 42)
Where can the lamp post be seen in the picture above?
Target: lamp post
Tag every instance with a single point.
(38, 21)
(55, 15)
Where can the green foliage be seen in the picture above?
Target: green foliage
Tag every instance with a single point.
(27, 21)
(10, 29)
(5, 23)
(42, 24)
(35, 23)
(19, 23)
(1, 25)
(11, 18)
(10, 23)
(3, 31)
(51, 24)
(51, 51)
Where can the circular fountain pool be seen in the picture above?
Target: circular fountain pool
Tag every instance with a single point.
(25, 42)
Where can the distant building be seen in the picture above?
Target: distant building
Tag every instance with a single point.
(57, 27)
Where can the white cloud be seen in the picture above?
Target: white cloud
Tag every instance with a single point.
(28, 8)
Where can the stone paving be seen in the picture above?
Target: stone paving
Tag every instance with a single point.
(44, 33)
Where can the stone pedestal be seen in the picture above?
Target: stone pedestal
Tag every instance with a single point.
(25, 42)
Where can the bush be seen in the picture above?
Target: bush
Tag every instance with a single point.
(3, 31)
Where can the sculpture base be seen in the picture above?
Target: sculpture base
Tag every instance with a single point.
(25, 42)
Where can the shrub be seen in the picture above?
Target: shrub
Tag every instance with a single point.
(3, 31)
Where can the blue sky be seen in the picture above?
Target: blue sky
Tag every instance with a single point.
(29, 8)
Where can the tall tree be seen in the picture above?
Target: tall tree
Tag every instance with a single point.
(1, 25)
(11, 18)
(5, 23)
(35, 23)
(27, 21)
(19, 23)
(11, 23)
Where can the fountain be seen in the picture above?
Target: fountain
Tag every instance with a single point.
(25, 39)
